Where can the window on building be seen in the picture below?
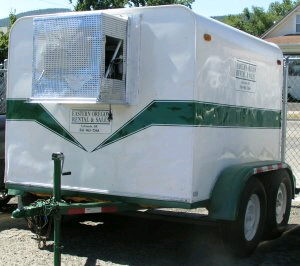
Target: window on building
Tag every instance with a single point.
(298, 23)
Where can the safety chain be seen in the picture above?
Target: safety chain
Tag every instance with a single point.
(39, 222)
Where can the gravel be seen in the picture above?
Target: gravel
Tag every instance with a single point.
(123, 240)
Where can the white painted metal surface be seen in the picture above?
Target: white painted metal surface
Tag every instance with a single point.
(172, 63)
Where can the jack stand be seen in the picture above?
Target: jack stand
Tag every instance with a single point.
(57, 158)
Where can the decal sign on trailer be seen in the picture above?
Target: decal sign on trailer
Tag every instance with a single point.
(89, 121)
(245, 76)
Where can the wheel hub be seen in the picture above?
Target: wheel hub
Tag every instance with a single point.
(281, 202)
(252, 217)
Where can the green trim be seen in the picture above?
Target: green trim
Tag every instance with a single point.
(226, 194)
(199, 114)
(15, 192)
(157, 113)
(21, 110)
(63, 208)
(130, 200)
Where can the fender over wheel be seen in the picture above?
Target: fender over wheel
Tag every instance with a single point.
(242, 236)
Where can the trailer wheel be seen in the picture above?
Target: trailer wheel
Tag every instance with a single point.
(242, 236)
(279, 199)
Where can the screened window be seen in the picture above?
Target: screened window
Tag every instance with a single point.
(79, 58)
(67, 57)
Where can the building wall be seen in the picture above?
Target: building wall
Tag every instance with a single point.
(287, 27)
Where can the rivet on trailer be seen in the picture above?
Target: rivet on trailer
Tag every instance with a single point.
(155, 107)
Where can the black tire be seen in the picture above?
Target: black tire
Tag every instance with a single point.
(4, 198)
(28, 198)
(276, 225)
(236, 241)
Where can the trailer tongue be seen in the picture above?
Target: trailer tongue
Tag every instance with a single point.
(55, 207)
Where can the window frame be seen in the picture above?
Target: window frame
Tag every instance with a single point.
(297, 23)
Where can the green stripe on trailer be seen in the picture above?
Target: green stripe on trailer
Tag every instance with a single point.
(157, 113)
(191, 113)
(21, 110)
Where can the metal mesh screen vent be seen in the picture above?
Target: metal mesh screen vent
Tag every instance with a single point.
(67, 53)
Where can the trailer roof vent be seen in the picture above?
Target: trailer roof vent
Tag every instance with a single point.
(79, 58)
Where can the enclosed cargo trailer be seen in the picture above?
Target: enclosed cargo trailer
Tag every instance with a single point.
(156, 107)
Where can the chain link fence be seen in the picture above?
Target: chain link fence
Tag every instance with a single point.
(3, 76)
(3, 82)
(291, 115)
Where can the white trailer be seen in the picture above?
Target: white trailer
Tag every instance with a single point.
(158, 107)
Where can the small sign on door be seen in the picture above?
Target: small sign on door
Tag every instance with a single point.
(89, 121)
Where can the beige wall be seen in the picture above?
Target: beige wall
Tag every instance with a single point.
(290, 49)
(287, 27)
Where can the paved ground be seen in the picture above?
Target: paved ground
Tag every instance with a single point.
(92, 240)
